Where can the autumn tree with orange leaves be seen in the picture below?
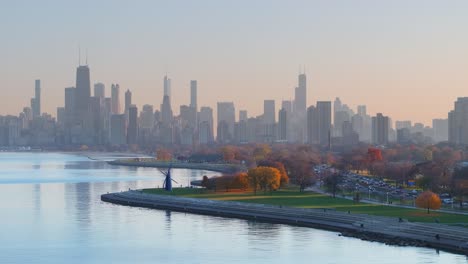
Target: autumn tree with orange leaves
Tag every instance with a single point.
(264, 178)
(428, 200)
(278, 165)
(163, 154)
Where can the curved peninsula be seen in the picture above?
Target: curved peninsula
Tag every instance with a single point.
(387, 230)
(144, 162)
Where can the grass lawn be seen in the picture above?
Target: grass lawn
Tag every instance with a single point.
(294, 198)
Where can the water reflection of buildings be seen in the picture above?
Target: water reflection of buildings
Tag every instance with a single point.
(82, 194)
(258, 231)
(37, 200)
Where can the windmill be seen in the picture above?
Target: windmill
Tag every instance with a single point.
(167, 184)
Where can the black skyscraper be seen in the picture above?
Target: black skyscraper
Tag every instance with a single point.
(83, 89)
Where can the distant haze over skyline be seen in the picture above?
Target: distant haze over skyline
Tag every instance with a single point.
(406, 59)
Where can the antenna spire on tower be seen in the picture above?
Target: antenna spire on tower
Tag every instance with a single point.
(79, 55)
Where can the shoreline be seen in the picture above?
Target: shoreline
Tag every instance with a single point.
(218, 167)
(386, 230)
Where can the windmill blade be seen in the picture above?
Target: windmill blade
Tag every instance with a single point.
(174, 181)
(163, 172)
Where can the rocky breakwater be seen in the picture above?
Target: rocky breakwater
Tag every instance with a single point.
(392, 231)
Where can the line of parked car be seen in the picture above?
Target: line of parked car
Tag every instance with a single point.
(375, 186)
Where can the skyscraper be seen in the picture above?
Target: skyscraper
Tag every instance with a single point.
(287, 105)
(99, 90)
(362, 124)
(337, 105)
(269, 129)
(298, 120)
(243, 115)
(36, 101)
(188, 117)
(282, 125)
(440, 127)
(166, 111)
(167, 87)
(132, 129)
(117, 130)
(115, 98)
(380, 127)
(205, 125)
(340, 115)
(147, 117)
(83, 89)
(61, 116)
(458, 122)
(300, 96)
(269, 112)
(319, 123)
(70, 100)
(128, 100)
(403, 124)
(361, 110)
(324, 116)
(193, 95)
(226, 121)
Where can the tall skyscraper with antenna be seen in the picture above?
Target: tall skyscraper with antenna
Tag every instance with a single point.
(300, 96)
(83, 88)
(83, 131)
(299, 110)
(167, 86)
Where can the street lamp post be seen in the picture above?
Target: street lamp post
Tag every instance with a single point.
(387, 197)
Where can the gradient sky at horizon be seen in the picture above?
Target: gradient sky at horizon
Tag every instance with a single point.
(406, 59)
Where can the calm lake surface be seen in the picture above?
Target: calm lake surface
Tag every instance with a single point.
(51, 212)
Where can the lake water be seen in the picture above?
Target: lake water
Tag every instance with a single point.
(51, 212)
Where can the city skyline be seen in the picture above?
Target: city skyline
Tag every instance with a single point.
(118, 102)
(99, 121)
(405, 55)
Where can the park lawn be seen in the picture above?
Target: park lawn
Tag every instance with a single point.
(294, 198)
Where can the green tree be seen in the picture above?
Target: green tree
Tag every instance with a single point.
(332, 183)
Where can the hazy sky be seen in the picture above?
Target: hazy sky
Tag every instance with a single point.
(406, 59)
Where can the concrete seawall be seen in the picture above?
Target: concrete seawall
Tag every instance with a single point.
(382, 229)
(224, 168)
